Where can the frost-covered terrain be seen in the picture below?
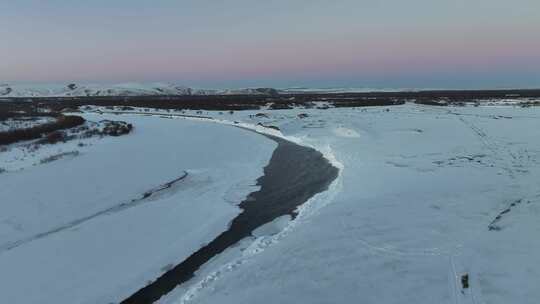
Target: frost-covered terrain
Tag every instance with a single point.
(97, 225)
(124, 89)
(431, 200)
(432, 205)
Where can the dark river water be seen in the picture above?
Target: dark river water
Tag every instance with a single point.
(293, 175)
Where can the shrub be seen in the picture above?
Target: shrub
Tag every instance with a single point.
(116, 128)
(280, 106)
(54, 137)
(261, 115)
(62, 122)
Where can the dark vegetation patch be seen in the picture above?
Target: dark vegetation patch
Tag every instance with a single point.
(53, 138)
(97, 129)
(273, 101)
(269, 126)
(465, 281)
(51, 131)
(261, 115)
(354, 103)
(116, 128)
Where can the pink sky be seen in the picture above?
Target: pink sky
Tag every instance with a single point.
(317, 43)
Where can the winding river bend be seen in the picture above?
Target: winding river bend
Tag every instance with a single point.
(294, 174)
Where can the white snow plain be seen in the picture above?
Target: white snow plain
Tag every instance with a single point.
(70, 233)
(409, 216)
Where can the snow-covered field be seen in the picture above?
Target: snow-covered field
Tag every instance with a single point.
(70, 233)
(425, 196)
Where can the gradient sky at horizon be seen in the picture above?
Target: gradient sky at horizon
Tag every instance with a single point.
(234, 43)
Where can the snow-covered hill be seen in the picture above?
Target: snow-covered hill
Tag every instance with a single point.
(125, 89)
(433, 205)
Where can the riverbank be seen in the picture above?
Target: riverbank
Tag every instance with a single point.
(142, 226)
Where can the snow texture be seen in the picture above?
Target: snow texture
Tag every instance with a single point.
(123, 89)
(85, 229)
(426, 196)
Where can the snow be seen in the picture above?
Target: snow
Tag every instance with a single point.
(23, 123)
(272, 228)
(408, 217)
(70, 233)
(345, 132)
(19, 156)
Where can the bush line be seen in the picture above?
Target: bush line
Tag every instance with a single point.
(62, 122)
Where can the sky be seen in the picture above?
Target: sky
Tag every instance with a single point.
(274, 43)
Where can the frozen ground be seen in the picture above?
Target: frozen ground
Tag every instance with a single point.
(427, 195)
(82, 229)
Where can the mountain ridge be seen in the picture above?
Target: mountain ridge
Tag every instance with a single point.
(125, 89)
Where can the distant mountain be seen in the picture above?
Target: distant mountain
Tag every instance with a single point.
(126, 89)
(73, 89)
(303, 90)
